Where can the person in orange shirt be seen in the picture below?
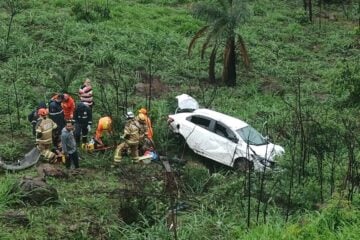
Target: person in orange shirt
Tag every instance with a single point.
(68, 105)
(143, 114)
(104, 126)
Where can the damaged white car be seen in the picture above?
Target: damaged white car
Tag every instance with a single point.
(222, 138)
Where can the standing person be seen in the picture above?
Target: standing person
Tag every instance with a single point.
(144, 141)
(56, 114)
(33, 116)
(83, 121)
(44, 130)
(143, 114)
(68, 105)
(104, 126)
(69, 145)
(86, 93)
(131, 136)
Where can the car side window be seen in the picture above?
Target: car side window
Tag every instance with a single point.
(200, 121)
(224, 131)
(221, 130)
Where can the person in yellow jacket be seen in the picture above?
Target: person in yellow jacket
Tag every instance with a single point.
(143, 114)
(132, 135)
(104, 126)
(144, 141)
(44, 130)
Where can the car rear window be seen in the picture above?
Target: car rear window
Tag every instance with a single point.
(200, 121)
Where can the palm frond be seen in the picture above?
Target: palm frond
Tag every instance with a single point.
(224, 4)
(205, 45)
(72, 73)
(197, 36)
(59, 76)
(219, 28)
(207, 12)
(243, 51)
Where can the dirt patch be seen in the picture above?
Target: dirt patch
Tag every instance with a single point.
(272, 86)
(158, 88)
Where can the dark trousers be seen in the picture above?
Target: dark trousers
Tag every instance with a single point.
(56, 137)
(80, 130)
(73, 158)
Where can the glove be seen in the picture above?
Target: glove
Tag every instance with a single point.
(89, 128)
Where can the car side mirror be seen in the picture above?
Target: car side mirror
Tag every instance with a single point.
(234, 139)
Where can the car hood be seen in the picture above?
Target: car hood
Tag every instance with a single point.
(268, 151)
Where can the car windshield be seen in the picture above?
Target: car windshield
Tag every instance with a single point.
(251, 136)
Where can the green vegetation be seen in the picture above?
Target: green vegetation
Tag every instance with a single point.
(303, 82)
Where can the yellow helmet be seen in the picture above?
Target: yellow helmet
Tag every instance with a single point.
(141, 117)
(143, 111)
(90, 147)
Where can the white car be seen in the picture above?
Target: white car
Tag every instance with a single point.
(222, 138)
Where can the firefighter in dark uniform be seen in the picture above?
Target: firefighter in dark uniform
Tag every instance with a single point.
(56, 114)
(83, 122)
(33, 116)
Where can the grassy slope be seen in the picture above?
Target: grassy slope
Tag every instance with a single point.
(46, 35)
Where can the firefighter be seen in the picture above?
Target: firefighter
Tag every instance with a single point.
(44, 130)
(68, 105)
(147, 120)
(104, 126)
(144, 141)
(83, 122)
(131, 136)
(33, 116)
(86, 93)
(56, 114)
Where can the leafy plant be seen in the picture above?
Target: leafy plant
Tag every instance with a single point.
(223, 20)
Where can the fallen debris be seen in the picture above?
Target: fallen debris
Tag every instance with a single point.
(29, 160)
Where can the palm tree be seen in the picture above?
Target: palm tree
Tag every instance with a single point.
(63, 77)
(223, 18)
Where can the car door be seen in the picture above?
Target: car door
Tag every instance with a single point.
(222, 144)
(198, 137)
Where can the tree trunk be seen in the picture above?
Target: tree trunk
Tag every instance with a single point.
(9, 29)
(229, 70)
(305, 5)
(310, 11)
(212, 78)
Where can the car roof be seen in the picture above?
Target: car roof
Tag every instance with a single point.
(231, 122)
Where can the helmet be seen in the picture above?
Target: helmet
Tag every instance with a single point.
(143, 111)
(141, 117)
(129, 115)
(42, 112)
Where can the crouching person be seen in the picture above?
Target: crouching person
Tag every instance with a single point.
(131, 136)
(44, 130)
(69, 145)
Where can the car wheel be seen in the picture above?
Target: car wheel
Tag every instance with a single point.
(243, 164)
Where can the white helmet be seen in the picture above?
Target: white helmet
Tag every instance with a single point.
(130, 115)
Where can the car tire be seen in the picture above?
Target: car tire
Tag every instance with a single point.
(243, 164)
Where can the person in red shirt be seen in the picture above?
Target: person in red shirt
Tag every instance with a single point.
(68, 105)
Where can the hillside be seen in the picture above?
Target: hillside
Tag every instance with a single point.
(301, 90)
